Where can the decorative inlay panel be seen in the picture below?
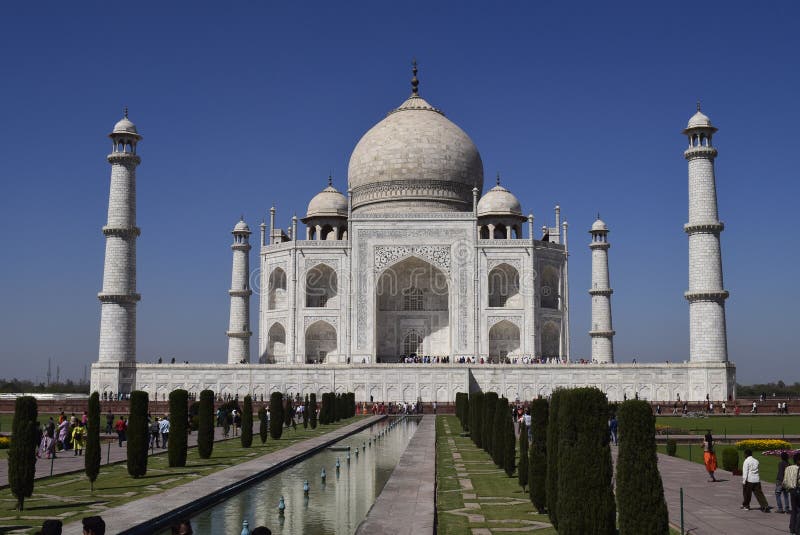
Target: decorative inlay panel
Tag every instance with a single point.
(333, 320)
(513, 262)
(386, 255)
(491, 321)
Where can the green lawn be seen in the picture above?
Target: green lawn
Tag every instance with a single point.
(735, 425)
(502, 501)
(768, 464)
(68, 497)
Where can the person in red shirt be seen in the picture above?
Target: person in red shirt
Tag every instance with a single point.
(121, 427)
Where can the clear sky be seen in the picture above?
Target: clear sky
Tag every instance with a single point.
(246, 104)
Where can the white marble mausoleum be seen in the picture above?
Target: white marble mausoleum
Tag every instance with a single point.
(412, 260)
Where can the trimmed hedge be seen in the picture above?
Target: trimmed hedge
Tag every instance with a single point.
(22, 451)
(263, 425)
(312, 405)
(522, 476)
(672, 447)
(537, 455)
(499, 431)
(247, 422)
(584, 464)
(488, 431)
(91, 461)
(509, 455)
(640, 493)
(551, 485)
(730, 459)
(137, 433)
(205, 424)
(178, 445)
(476, 418)
(305, 413)
(276, 415)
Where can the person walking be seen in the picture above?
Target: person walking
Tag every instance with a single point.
(155, 430)
(120, 428)
(109, 423)
(79, 438)
(751, 483)
(790, 483)
(709, 457)
(163, 427)
(781, 492)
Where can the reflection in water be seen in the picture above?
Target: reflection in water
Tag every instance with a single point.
(335, 506)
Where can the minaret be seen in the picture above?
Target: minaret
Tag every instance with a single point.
(706, 296)
(240, 292)
(118, 298)
(602, 333)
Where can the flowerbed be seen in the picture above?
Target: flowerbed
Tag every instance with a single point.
(763, 444)
(5, 443)
(778, 452)
(669, 430)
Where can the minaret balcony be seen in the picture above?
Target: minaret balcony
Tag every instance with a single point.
(601, 291)
(123, 232)
(717, 296)
(604, 334)
(700, 152)
(127, 158)
(600, 245)
(711, 227)
(240, 293)
(118, 298)
(239, 334)
(241, 247)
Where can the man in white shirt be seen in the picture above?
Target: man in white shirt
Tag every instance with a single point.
(752, 483)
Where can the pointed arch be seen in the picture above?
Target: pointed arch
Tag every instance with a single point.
(549, 287)
(276, 344)
(322, 287)
(320, 342)
(276, 289)
(551, 340)
(504, 287)
(503, 340)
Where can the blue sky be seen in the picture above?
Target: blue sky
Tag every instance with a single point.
(251, 103)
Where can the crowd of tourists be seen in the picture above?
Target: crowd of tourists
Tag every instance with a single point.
(68, 433)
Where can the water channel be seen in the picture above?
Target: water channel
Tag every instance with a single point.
(336, 506)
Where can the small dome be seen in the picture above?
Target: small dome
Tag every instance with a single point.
(125, 126)
(328, 203)
(699, 120)
(241, 226)
(599, 225)
(499, 201)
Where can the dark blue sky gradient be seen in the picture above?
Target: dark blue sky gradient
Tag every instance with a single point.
(248, 104)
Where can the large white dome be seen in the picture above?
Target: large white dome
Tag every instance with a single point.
(414, 159)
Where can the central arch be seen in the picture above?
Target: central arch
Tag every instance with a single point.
(412, 303)
(503, 340)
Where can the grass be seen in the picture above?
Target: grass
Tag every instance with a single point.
(768, 464)
(68, 496)
(734, 425)
(509, 507)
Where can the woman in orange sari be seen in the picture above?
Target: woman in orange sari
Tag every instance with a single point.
(709, 457)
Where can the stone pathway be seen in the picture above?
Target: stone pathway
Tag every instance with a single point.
(202, 492)
(713, 508)
(406, 506)
(474, 505)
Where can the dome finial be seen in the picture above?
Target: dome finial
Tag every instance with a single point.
(698, 105)
(498, 178)
(125, 112)
(414, 80)
(598, 216)
(330, 179)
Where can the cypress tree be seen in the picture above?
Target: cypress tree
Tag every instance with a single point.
(305, 413)
(138, 439)
(205, 429)
(537, 461)
(287, 411)
(276, 415)
(509, 443)
(499, 431)
(551, 486)
(263, 428)
(22, 452)
(582, 441)
(178, 427)
(312, 406)
(337, 407)
(476, 418)
(489, 408)
(640, 493)
(247, 422)
(92, 460)
(522, 476)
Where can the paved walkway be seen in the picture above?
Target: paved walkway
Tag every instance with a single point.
(67, 462)
(713, 508)
(408, 501)
(180, 501)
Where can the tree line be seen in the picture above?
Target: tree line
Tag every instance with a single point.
(567, 465)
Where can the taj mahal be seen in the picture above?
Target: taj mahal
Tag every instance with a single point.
(413, 283)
